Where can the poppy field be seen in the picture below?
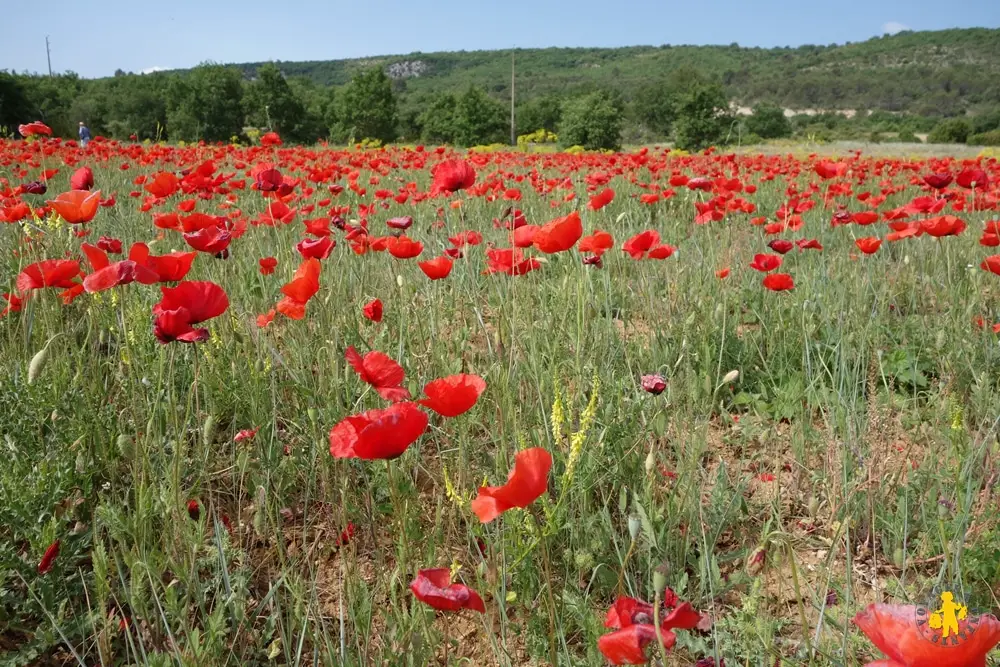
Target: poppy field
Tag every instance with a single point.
(415, 405)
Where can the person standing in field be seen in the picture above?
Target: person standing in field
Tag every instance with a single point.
(84, 134)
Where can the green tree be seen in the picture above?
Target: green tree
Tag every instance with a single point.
(953, 131)
(655, 107)
(270, 103)
(479, 119)
(769, 122)
(542, 113)
(206, 104)
(438, 120)
(703, 117)
(593, 121)
(367, 108)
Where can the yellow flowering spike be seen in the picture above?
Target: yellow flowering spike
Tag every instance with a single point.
(449, 490)
(455, 568)
(558, 415)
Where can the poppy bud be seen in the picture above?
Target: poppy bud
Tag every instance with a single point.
(813, 506)
(633, 527)
(898, 557)
(731, 376)
(756, 561)
(37, 363)
(660, 578)
(194, 510)
(208, 431)
(650, 462)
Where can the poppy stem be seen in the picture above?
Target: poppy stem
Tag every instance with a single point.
(661, 649)
(553, 653)
(447, 638)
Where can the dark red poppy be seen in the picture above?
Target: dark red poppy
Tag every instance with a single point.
(559, 235)
(76, 206)
(451, 176)
(991, 264)
(268, 180)
(780, 246)
(765, 263)
(601, 199)
(373, 310)
(526, 482)
(904, 634)
(381, 372)
(82, 179)
(404, 247)
(510, 261)
(653, 384)
(194, 510)
(35, 188)
(267, 265)
(453, 395)
(378, 434)
(304, 286)
(316, 248)
(48, 558)
(211, 240)
(778, 282)
(110, 245)
(187, 304)
(939, 180)
(868, 245)
(60, 273)
(434, 588)
(437, 268)
(808, 244)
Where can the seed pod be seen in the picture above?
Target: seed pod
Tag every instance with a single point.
(633, 527)
(208, 431)
(813, 506)
(660, 577)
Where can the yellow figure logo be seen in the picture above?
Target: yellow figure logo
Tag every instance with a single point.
(947, 617)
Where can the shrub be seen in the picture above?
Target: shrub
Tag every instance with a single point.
(953, 131)
(991, 138)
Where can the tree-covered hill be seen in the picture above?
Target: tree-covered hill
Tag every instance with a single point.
(926, 73)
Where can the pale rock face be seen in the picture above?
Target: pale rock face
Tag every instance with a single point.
(407, 69)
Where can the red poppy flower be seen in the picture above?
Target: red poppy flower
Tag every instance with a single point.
(267, 265)
(436, 268)
(972, 178)
(211, 240)
(162, 185)
(381, 372)
(598, 243)
(778, 282)
(194, 510)
(653, 384)
(270, 139)
(304, 286)
(404, 247)
(402, 223)
(828, 170)
(48, 558)
(107, 274)
(48, 273)
(868, 245)
(378, 434)
(451, 176)
(765, 263)
(560, 234)
(524, 236)
(991, 264)
(316, 248)
(265, 319)
(661, 251)
(526, 482)
(246, 434)
(780, 246)
(317, 227)
(14, 304)
(110, 245)
(35, 129)
(453, 395)
(35, 188)
(510, 261)
(76, 206)
(373, 310)
(945, 225)
(434, 588)
(634, 621)
(722, 273)
(168, 268)
(466, 238)
(268, 180)
(601, 199)
(938, 181)
(185, 305)
(628, 645)
(865, 217)
(808, 244)
(82, 179)
(639, 245)
(905, 636)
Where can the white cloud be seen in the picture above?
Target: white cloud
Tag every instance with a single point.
(892, 27)
(154, 68)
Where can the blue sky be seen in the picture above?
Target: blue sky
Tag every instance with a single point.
(95, 38)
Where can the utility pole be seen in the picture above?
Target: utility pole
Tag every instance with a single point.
(513, 127)
(48, 54)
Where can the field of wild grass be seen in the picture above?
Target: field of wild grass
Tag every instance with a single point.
(779, 440)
